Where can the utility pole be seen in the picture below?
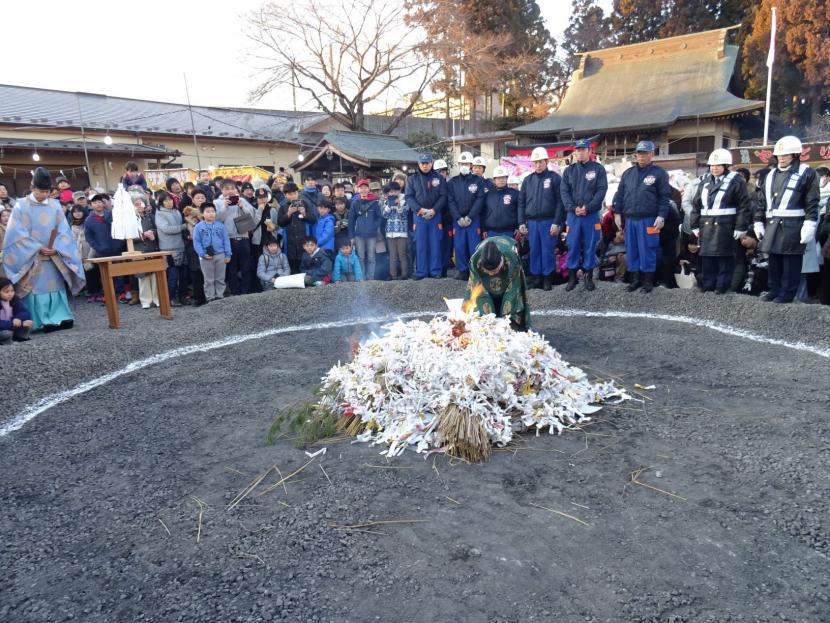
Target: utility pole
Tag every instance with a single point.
(770, 62)
(192, 124)
(83, 139)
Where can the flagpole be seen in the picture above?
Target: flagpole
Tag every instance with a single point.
(770, 61)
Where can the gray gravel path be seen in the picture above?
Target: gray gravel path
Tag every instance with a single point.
(738, 429)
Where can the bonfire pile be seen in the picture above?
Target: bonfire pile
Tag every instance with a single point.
(459, 384)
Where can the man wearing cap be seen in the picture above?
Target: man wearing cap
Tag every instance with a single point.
(643, 198)
(426, 195)
(497, 268)
(447, 230)
(584, 184)
(721, 213)
(786, 218)
(541, 215)
(465, 197)
(41, 258)
(501, 207)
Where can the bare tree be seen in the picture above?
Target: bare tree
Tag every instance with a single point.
(343, 55)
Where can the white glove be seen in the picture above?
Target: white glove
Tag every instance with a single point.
(739, 234)
(554, 230)
(523, 229)
(759, 230)
(696, 232)
(618, 221)
(808, 232)
(659, 222)
(461, 222)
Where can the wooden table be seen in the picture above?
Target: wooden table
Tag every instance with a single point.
(126, 265)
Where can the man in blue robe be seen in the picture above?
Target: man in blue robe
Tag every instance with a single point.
(41, 258)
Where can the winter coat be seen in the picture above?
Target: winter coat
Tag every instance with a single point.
(787, 199)
(324, 232)
(644, 192)
(345, 266)
(226, 213)
(98, 231)
(341, 229)
(584, 185)
(364, 219)
(138, 181)
(270, 266)
(720, 208)
(19, 312)
(540, 198)
(465, 196)
(170, 226)
(148, 223)
(426, 191)
(295, 230)
(80, 239)
(211, 234)
(501, 209)
(396, 213)
(317, 266)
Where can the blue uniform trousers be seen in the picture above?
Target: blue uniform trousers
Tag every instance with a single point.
(446, 246)
(642, 242)
(583, 236)
(542, 246)
(428, 247)
(717, 272)
(466, 240)
(783, 275)
(509, 233)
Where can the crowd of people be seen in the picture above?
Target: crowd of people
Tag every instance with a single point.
(725, 231)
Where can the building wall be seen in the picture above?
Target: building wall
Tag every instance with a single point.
(107, 168)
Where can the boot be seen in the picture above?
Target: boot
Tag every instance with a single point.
(547, 283)
(648, 282)
(571, 281)
(589, 281)
(635, 281)
(533, 282)
(463, 275)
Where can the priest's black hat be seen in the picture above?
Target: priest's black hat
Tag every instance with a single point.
(42, 179)
(491, 257)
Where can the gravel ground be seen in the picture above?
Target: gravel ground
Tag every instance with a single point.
(100, 513)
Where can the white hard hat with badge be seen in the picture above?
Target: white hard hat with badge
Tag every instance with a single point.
(787, 145)
(720, 156)
(539, 153)
(478, 161)
(465, 158)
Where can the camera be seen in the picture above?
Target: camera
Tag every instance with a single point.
(233, 200)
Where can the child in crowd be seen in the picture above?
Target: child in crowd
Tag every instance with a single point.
(346, 265)
(15, 321)
(213, 246)
(170, 227)
(395, 211)
(341, 221)
(315, 263)
(148, 292)
(192, 216)
(76, 223)
(133, 177)
(65, 194)
(324, 228)
(272, 263)
(364, 222)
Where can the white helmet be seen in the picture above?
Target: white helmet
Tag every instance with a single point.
(787, 145)
(540, 153)
(478, 161)
(465, 158)
(721, 156)
(512, 179)
(500, 172)
(440, 164)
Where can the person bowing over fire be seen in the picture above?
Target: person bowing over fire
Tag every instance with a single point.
(497, 282)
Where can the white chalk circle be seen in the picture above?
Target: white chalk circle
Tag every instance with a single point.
(53, 400)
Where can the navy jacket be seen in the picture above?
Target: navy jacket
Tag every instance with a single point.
(364, 219)
(465, 195)
(19, 312)
(584, 185)
(643, 193)
(426, 191)
(501, 209)
(539, 198)
(487, 184)
(316, 266)
(99, 235)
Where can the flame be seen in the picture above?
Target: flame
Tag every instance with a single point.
(470, 301)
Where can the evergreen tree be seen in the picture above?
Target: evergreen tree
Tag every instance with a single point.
(588, 29)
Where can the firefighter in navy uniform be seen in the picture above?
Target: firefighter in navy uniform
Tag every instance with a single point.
(426, 196)
(479, 167)
(643, 198)
(786, 218)
(541, 216)
(465, 197)
(501, 207)
(584, 184)
(721, 214)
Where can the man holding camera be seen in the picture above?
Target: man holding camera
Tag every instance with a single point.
(297, 220)
(238, 216)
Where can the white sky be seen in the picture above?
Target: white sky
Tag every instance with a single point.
(140, 49)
